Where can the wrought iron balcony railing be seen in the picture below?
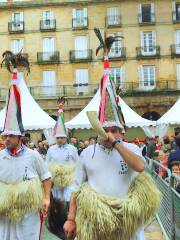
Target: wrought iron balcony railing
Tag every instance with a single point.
(86, 89)
(117, 54)
(48, 25)
(175, 50)
(16, 27)
(80, 23)
(146, 20)
(148, 52)
(175, 17)
(80, 55)
(113, 21)
(48, 57)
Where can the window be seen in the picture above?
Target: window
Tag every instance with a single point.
(82, 81)
(147, 77)
(81, 47)
(176, 11)
(178, 75)
(17, 21)
(79, 17)
(116, 47)
(148, 43)
(49, 83)
(146, 13)
(48, 48)
(113, 17)
(118, 75)
(16, 45)
(48, 18)
(177, 41)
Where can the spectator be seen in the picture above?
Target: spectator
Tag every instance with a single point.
(86, 143)
(74, 141)
(26, 141)
(32, 146)
(151, 147)
(81, 147)
(92, 141)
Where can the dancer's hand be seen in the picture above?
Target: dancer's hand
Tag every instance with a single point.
(45, 206)
(69, 228)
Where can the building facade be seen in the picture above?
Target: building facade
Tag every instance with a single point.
(59, 38)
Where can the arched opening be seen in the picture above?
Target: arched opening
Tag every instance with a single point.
(154, 116)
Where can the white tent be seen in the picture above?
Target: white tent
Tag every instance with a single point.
(132, 119)
(172, 116)
(33, 117)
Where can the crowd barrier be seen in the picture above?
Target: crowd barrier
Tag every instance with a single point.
(169, 213)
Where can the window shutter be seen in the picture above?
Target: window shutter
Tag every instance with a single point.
(21, 17)
(174, 10)
(154, 38)
(85, 16)
(141, 76)
(152, 13)
(142, 39)
(140, 13)
(74, 18)
(122, 76)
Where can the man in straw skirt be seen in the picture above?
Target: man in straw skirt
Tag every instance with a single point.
(114, 197)
(24, 178)
(61, 158)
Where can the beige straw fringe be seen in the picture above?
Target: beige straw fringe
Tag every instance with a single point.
(62, 174)
(18, 199)
(101, 217)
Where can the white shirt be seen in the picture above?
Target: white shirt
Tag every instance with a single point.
(65, 154)
(106, 171)
(14, 169)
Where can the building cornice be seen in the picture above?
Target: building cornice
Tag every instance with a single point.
(46, 3)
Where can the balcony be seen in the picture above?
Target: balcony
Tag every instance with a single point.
(148, 19)
(48, 57)
(175, 17)
(64, 90)
(16, 27)
(80, 56)
(175, 50)
(128, 89)
(79, 23)
(113, 21)
(148, 52)
(117, 54)
(48, 25)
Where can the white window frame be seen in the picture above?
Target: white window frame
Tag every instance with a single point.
(113, 16)
(178, 75)
(80, 17)
(48, 17)
(17, 24)
(17, 45)
(145, 82)
(48, 48)
(152, 13)
(177, 41)
(82, 77)
(118, 74)
(148, 45)
(49, 83)
(81, 47)
(116, 49)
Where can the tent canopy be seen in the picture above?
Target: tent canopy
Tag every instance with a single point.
(171, 116)
(132, 119)
(33, 117)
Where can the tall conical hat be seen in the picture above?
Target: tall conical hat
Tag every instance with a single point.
(60, 129)
(13, 121)
(109, 104)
